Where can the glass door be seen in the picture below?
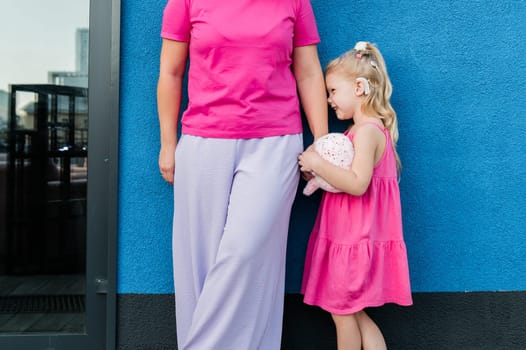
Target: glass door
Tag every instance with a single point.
(56, 290)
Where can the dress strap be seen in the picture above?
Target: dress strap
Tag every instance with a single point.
(384, 131)
(381, 127)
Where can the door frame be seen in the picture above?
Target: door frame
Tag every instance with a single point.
(102, 193)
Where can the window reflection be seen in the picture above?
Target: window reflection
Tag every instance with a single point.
(43, 165)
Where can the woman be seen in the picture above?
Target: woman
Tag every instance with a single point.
(236, 173)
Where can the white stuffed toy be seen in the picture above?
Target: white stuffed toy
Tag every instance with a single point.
(336, 148)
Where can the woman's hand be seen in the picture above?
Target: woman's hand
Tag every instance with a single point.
(169, 90)
(167, 164)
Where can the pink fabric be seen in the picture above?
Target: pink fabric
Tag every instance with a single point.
(356, 256)
(240, 83)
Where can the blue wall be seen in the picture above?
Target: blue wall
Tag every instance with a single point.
(458, 70)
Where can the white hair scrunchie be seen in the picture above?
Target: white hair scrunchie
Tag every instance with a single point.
(361, 46)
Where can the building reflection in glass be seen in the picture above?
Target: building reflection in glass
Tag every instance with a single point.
(43, 187)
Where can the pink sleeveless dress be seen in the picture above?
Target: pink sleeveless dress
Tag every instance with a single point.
(356, 256)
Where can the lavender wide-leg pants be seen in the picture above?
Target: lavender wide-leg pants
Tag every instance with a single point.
(232, 206)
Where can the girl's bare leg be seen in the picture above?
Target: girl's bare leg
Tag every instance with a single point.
(372, 338)
(347, 332)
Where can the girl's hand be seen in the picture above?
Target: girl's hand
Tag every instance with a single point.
(309, 160)
(167, 164)
(307, 175)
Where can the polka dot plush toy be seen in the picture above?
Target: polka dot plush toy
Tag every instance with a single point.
(336, 148)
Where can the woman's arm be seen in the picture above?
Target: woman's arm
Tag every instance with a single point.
(355, 180)
(169, 90)
(311, 88)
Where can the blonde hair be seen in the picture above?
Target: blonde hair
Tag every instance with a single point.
(366, 61)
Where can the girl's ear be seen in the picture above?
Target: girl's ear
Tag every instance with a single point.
(361, 87)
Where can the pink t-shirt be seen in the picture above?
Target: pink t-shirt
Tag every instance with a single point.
(240, 83)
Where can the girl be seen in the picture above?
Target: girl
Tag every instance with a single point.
(356, 256)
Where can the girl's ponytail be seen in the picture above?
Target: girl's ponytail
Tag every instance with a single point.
(365, 61)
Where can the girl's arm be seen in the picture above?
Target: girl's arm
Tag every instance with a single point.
(311, 88)
(355, 180)
(169, 90)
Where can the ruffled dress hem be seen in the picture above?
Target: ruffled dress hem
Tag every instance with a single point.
(357, 308)
(346, 278)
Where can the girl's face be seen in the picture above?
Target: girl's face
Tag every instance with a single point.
(342, 95)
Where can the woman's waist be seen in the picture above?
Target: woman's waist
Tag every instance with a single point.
(234, 125)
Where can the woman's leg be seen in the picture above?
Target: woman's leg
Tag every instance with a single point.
(203, 178)
(239, 303)
(371, 335)
(347, 332)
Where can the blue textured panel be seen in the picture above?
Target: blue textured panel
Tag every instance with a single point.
(144, 264)
(458, 71)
